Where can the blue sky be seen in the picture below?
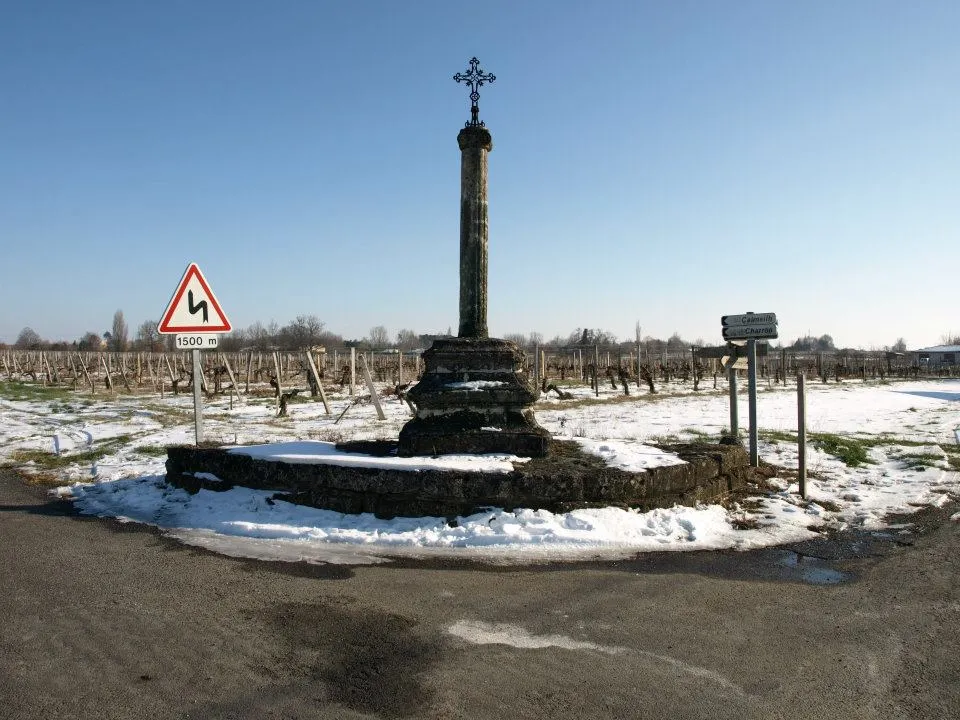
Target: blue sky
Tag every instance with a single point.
(656, 162)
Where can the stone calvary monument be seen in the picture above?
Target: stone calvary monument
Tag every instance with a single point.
(475, 396)
(475, 393)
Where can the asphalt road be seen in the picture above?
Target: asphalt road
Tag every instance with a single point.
(104, 620)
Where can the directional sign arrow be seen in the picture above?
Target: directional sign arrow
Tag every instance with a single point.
(712, 352)
(749, 319)
(750, 332)
(737, 363)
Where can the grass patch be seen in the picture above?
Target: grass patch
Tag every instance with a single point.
(919, 460)
(744, 523)
(887, 439)
(602, 400)
(827, 505)
(166, 415)
(852, 452)
(30, 392)
(777, 436)
(49, 461)
(152, 450)
(46, 479)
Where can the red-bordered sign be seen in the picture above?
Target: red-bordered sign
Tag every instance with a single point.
(194, 307)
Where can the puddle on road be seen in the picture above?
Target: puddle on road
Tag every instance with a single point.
(830, 560)
(776, 564)
(811, 569)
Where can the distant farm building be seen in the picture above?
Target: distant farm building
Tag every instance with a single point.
(938, 356)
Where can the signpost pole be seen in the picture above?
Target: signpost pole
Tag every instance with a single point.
(802, 434)
(734, 415)
(197, 397)
(752, 380)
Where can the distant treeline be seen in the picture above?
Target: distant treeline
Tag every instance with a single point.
(309, 331)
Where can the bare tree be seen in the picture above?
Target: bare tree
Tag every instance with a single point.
(591, 336)
(148, 337)
(675, 343)
(28, 339)
(305, 331)
(378, 337)
(258, 336)
(118, 332)
(90, 341)
(407, 340)
(950, 338)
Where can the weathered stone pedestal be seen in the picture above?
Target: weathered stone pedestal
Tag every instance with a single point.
(474, 397)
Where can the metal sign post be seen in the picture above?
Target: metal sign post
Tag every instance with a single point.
(194, 316)
(731, 363)
(734, 415)
(750, 327)
(752, 385)
(197, 397)
(802, 434)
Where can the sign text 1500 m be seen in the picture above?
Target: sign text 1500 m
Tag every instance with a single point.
(197, 341)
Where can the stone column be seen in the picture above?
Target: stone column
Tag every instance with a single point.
(475, 142)
(475, 394)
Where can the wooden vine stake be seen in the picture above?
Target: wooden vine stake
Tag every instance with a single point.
(233, 380)
(83, 366)
(373, 390)
(107, 371)
(276, 367)
(316, 378)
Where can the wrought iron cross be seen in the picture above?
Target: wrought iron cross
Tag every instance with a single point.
(475, 78)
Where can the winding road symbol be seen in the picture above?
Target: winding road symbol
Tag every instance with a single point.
(195, 308)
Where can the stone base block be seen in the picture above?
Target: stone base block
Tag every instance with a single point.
(474, 398)
(472, 432)
(565, 479)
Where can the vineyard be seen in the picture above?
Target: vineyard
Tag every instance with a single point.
(288, 373)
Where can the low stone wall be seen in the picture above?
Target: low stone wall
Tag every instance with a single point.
(566, 479)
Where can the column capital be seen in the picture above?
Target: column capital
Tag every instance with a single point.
(475, 137)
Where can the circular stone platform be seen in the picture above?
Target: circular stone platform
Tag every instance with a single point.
(566, 479)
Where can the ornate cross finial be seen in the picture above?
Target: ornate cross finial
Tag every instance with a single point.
(475, 78)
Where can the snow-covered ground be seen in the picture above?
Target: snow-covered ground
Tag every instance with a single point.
(112, 455)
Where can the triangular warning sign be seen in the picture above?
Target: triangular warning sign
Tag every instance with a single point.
(194, 307)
